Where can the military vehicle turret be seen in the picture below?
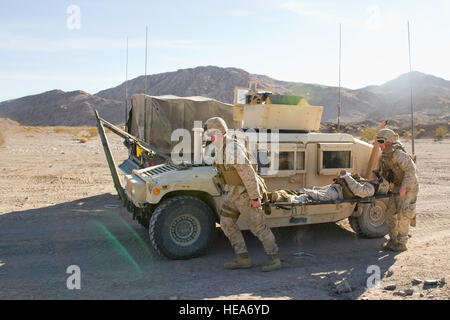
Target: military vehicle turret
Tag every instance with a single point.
(179, 201)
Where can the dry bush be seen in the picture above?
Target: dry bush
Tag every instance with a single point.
(368, 135)
(25, 129)
(92, 132)
(83, 139)
(441, 132)
(32, 129)
(406, 134)
(74, 131)
(59, 129)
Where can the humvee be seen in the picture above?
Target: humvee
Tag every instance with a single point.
(179, 203)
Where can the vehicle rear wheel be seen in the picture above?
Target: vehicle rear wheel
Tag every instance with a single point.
(182, 227)
(372, 222)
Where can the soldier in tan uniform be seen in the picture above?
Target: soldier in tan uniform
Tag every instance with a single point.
(345, 186)
(399, 169)
(245, 192)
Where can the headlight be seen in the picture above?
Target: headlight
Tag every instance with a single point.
(133, 191)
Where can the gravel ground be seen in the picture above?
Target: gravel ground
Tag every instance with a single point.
(58, 208)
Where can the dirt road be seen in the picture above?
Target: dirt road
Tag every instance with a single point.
(58, 208)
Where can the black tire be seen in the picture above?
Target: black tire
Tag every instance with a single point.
(372, 222)
(182, 227)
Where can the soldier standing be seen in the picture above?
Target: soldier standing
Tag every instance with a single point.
(399, 169)
(246, 189)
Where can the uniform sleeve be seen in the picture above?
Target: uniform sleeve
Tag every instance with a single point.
(362, 190)
(245, 170)
(405, 163)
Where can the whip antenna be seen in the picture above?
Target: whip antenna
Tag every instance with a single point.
(145, 77)
(145, 87)
(411, 92)
(126, 88)
(339, 99)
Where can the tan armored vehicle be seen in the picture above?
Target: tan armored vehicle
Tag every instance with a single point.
(180, 202)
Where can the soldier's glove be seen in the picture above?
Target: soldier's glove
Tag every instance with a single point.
(402, 191)
(255, 203)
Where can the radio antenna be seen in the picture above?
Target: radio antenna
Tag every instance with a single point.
(339, 99)
(145, 78)
(145, 87)
(411, 92)
(126, 88)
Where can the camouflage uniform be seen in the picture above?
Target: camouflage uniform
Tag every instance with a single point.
(249, 186)
(399, 169)
(237, 202)
(333, 191)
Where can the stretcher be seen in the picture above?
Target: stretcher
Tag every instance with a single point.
(311, 202)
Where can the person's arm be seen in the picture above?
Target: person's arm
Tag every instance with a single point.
(245, 170)
(362, 190)
(249, 179)
(405, 163)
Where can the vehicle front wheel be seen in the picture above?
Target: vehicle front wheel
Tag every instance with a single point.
(372, 222)
(182, 227)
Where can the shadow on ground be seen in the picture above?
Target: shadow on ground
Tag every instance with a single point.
(116, 260)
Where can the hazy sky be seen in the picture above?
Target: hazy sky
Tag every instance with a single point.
(44, 46)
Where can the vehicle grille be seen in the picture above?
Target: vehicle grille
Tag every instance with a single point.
(128, 166)
(159, 170)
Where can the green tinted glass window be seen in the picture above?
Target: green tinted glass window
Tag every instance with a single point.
(300, 161)
(336, 159)
(286, 161)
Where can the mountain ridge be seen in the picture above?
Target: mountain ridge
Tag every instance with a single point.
(431, 96)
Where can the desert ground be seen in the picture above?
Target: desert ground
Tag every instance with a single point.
(58, 208)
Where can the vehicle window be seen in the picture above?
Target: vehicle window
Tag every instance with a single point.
(263, 159)
(336, 159)
(286, 161)
(241, 96)
(300, 161)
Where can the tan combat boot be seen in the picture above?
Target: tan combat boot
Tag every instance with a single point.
(412, 223)
(242, 261)
(390, 244)
(273, 263)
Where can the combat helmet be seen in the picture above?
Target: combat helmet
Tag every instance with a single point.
(215, 123)
(387, 135)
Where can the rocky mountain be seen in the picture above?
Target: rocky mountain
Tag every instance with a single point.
(431, 96)
(59, 108)
(212, 82)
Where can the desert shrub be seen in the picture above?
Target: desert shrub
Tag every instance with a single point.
(368, 135)
(406, 134)
(74, 131)
(92, 132)
(2, 139)
(441, 132)
(31, 129)
(59, 129)
(83, 139)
